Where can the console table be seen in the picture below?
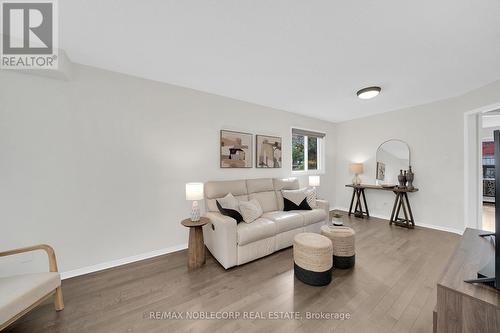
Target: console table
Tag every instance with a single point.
(401, 203)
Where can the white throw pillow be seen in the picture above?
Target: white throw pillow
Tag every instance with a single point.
(295, 196)
(229, 202)
(295, 199)
(312, 197)
(250, 210)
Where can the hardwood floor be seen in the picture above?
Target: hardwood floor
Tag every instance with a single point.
(391, 289)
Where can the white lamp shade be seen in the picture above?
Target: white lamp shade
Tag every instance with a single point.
(314, 181)
(194, 191)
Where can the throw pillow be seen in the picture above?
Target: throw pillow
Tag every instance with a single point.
(229, 212)
(311, 197)
(295, 200)
(229, 201)
(250, 210)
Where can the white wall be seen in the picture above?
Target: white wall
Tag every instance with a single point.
(435, 133)
(96, 166)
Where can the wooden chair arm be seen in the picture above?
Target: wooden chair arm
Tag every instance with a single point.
(44, 247)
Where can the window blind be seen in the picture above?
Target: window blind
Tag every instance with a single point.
(298, 131)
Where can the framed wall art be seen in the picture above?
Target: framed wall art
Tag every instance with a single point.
(269, 151)
(380, 171)
(235, 149)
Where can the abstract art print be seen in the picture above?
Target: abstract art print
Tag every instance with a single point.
(269, 153)
(380, 171)
(235, 149)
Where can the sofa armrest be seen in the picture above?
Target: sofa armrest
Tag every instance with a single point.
(323, 204)
(47, 248)
(220, 236)
(221, 221)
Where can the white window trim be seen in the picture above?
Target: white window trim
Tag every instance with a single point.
(321, 155)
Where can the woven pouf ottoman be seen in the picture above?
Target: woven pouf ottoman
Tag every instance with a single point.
(343, 245)
(312, 256)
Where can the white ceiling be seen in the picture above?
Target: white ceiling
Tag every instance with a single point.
(308, 57)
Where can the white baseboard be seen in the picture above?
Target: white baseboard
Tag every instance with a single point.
(423, 225)
(122, 261)
(437, 227)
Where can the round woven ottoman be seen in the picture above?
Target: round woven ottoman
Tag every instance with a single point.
(343, 245)
(312, 256)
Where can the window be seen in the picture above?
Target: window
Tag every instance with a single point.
(307, 151)
(298, 154)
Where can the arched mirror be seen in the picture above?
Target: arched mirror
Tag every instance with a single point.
(392, 155)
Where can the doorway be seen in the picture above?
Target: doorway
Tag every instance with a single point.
(490, 121)
(479, 205)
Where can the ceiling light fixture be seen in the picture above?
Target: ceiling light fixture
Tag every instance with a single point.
(367, 93)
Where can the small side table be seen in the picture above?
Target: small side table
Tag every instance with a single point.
(196, 246)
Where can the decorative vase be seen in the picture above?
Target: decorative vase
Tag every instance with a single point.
(410, 176)
(402, 179)
(337, 220)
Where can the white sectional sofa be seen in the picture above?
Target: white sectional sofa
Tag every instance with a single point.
(235, 244)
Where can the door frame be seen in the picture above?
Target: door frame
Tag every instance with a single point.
(473, 186)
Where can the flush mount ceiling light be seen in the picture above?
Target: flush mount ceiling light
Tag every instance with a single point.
(367, 93)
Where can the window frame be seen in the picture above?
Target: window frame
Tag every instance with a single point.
(320, 154)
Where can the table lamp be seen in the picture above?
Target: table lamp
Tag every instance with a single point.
(194, 192)
(356, 169)
(314, 181)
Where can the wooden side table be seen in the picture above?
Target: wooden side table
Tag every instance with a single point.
(196, 246)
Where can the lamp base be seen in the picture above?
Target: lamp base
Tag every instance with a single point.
(195, 212)
(356, 180)
(315, 191)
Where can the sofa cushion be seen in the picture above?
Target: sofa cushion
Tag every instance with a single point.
(228, 202)
(267, 200)
(312, 216)
(284, 184)
(211, 204)
(219, 189)
(250, 210)
(312, 197)
(19, 292)
(285, 221)
(295, 200)
(260, 185)
(232, 213)
(257, 230)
